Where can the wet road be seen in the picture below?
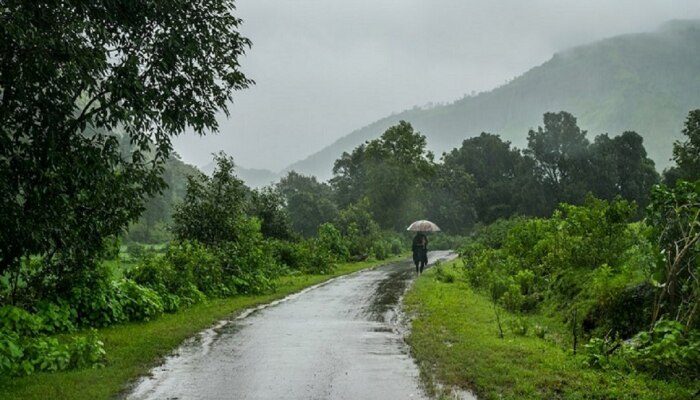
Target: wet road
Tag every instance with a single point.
(338, 340)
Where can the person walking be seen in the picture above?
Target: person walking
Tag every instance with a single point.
(420, 251)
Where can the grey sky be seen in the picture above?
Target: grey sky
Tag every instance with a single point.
(327, 67)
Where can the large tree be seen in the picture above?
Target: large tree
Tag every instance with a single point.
(78, 77)
(309, 203)
(620, 167)
(560, 152)
(389, 172)
(214, 207)
(504, 180)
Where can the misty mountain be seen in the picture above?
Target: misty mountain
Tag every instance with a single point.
(645, 82)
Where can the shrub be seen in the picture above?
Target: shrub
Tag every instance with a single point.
(195, 271)
(247, 264)
(26, 355)
(56, 318)
(11, 356)
(519, 326)
(17, 320)
(321, 260)
(139, 303)
(181, 275)
(512, 298)
(293, 255)
(330, 239)
(98, 305)
(87, 351)
(667, 350)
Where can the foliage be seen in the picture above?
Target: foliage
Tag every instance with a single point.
(388, 172)
(309, 203)
(687, 154)
(583, 259)
(455, 342)
(213, 206)
(667, 350)
(358, 228)
(293, 255)
(152, 226)
(560, 153)
(675, 215)
(25, 350)
(247, 264)
(267, 205)
(330, 240)
(77, 162)
(503, 183)
(137, 302)
(620, 168)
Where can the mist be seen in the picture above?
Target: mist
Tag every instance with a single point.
(324, 69)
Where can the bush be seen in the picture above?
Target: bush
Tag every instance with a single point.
(195, 272)
(330, 240)
(17, 320)
(181, 275)
(56, 318)
(321, 260)
(247, 264)
(293, 255)
(667, 350)
(24, 356)
(139, 303)
(99, 305)
(442, 241)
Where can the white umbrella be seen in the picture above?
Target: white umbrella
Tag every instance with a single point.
(423, 226)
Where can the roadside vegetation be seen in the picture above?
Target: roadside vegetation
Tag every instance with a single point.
(456, 340)
(587, 303)
(110, 243)
(133, 348)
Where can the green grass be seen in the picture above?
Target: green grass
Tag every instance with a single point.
(134, 348)
(455, 340)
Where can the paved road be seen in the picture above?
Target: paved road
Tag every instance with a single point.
(339, 340)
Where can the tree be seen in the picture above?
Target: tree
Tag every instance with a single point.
(389, 172)
(560, 152)
(620, 168)
(687, 154)
(76, 78)
(451, 200)
(267, 205)
(309, 203)
(152, 226)
(213, 208)
(504, 180)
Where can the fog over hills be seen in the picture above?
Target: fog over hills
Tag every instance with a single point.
(644, 82)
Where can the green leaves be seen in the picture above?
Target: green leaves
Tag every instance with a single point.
(213, 206)
(687, 154)
(116, 82)
(389, 172)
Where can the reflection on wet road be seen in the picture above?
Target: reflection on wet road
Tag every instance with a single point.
(340, 340)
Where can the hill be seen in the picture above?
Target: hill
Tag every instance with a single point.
(645, 82)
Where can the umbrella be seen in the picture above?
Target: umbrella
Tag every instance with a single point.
(423, 226)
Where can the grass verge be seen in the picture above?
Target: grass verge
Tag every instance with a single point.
(455, 341)
(134, 348)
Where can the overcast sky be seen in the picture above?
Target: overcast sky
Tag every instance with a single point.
(324, 68)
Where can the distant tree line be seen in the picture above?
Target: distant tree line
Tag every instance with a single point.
(396, 179)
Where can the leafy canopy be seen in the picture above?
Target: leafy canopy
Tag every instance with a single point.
(90, 94)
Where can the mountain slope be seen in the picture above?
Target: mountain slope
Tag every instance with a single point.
(643, 82)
